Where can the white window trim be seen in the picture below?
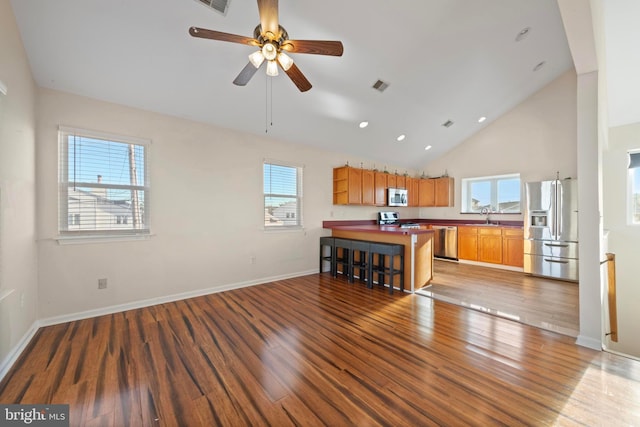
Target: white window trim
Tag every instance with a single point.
(299, 192)
(98, 236)
(629, 193)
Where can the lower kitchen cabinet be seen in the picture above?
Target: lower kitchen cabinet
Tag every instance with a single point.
(490, 244)
(513, 247)
(495, 245)
(468, 243)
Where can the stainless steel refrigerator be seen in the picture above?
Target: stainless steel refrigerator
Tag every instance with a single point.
(551, 229)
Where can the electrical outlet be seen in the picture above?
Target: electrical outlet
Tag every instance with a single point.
(102, 283)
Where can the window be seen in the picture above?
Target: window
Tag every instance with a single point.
(282, 195)
(104, 184)
(498, 193)
(634, 187)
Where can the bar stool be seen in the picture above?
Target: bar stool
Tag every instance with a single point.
(327, 242)
(343, 257)
(384, 250)
(362, 249)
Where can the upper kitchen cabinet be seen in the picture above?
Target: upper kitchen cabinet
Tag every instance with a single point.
(368, 187)
(444, 188)
(347, 186)
(426, 192)
(413, 191)
(380, 184)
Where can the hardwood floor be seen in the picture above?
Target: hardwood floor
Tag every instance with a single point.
(317, 351)
(544, 303)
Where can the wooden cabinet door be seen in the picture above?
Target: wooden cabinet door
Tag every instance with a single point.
(355, 186)
(490, 244)
(368, 187)
(468, 243)
(444, 188)
(380, 179)
(412, 191)
(426, 193)
(401, 181)
(513, 247)
(392, 181)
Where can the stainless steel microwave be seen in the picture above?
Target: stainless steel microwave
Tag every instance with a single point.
(397, 197)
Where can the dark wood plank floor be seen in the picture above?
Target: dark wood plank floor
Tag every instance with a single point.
(537, 301)
(318, 351)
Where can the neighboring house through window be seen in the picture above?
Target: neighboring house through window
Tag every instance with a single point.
(282, 185)
(104, 184)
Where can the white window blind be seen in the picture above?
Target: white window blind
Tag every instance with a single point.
(282, 195)
(104, 184)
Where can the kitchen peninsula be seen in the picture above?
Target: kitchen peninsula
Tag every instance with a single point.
(417, 242)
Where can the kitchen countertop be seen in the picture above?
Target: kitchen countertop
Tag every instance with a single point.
(371, 225)
(374, 228)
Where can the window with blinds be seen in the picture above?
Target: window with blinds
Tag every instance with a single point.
(104, 184)
(282, 195)
(633, 198)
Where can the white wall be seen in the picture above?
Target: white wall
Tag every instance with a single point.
(624, 239)
(206, 211)
(18, 271)
(536, 138)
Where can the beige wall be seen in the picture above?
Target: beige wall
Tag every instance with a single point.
(18, 271)
(536, 139)
(624, 239)
(206, 211)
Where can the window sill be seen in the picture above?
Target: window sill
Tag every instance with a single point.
(281, 229)
(79, 240)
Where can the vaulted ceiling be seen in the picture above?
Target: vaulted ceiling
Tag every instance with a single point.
(443, 60)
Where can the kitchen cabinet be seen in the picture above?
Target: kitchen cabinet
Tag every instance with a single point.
(368, 187)
(444, 188)
(380, 184)
(347, 186)
(401, 181)
(468, 243)
(426, 192)
(490, 244)
(392, 181)
(412, 191)
(513, 247)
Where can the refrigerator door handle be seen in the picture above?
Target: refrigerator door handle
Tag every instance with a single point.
(557, 261)
(557, 245)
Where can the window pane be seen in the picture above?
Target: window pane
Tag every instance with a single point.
(480, 195)
(635, 195)
(282, 201)
(104, 185)
(509, 195)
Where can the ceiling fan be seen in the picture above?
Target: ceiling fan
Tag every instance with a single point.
(273, 41)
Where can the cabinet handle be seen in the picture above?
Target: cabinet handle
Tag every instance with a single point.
(557, 245)
(556, 261)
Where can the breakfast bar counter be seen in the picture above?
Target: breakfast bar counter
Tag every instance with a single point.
(417, 242)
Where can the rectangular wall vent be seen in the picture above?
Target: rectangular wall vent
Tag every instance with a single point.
(447, 124)
(380, 86)
(217, 5)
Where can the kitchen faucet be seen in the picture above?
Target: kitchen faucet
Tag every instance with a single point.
(486, 211)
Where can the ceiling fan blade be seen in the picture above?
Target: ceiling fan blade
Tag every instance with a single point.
(245, 75)
(225, 37)
(268, 10)
(298, 78)
(316, 47)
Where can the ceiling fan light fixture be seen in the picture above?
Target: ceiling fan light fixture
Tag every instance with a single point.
(269, 51)
(285, 61)
(272, 68)
(256, 58)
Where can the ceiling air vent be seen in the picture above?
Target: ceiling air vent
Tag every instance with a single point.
(447, 124)
(380, 86)
(218, 5)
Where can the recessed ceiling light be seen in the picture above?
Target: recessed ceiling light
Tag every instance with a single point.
(400, 138)
(523, 34)
(428, 147)
(539, 65)
(363, 124)
(482, 119)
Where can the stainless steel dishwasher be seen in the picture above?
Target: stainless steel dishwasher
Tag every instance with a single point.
(445, 241)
